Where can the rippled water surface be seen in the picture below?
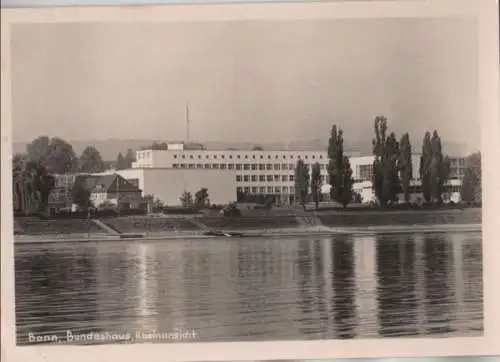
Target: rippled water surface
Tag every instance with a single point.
(252, 289)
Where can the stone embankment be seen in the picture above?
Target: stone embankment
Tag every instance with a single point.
(300, 224)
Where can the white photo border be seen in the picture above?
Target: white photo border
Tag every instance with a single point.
(486, 14)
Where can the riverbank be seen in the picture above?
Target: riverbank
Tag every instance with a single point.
(317, 231)
(29, 230)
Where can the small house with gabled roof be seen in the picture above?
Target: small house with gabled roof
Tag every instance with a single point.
(111, 189)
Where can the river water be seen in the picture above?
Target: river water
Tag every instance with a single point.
(252, 289)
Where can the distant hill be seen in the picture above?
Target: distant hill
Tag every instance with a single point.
(110, 148)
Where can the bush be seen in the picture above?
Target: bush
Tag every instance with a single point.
(231, 210)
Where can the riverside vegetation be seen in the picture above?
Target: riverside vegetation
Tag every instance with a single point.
(33, 171)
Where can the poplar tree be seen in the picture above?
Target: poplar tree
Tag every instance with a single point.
(378, 143)
(302, 179)
(316, 183)
(339, 169)
(425, 167)
(405, 166)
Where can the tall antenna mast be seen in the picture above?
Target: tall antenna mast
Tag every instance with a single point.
(187, 123)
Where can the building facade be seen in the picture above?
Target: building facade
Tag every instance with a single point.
(272, 172)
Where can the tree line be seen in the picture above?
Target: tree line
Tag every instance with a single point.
(392, 171)
(33, 171)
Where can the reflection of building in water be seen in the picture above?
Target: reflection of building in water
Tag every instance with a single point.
(420, 317)
(437, 271)
(457, 281)
(112, 284)
(263, 281)
(473, 282)
(365, 271)
(344, 308)
(56, 291)
(327, 276)
(127, 293)
(396, 293)
(170, 284)
(146, 288)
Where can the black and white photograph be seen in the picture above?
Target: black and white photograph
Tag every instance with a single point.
(245, 180)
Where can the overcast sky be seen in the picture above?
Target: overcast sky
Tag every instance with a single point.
(245, 81)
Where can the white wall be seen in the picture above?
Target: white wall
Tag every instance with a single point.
(169, 184)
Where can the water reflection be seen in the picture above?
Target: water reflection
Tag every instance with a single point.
(396, 288)
(343, 285)
(228, 290)
(438, 256)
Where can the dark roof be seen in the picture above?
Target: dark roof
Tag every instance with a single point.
(107, 182)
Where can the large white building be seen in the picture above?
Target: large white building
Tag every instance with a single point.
(268, 172)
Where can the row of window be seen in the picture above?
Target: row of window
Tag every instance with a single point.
(253, 157)
(244, 166)
(271, 178)
(267, 190)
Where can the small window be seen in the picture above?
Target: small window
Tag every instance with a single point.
(269, 177)
(254, 167)
(238, 178)
(215, 165)
(175, 156)
(284, 178)
(247, 189)
(215, 157)
(254, 178)
(238, 166)
(246, 167)
(262, 166)
(270, 189)
(183, 156)
(262, 178)
(254, 190)
(207, 165)
(246, 178)
(223, 166)
(230, 166)
(191, 156)
(269, 167)
(262, 189)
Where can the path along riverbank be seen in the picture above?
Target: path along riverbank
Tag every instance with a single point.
(313, 231)
(30, 230)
